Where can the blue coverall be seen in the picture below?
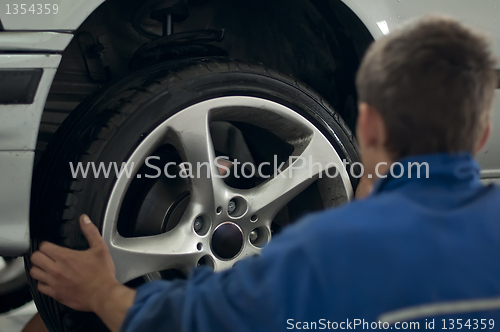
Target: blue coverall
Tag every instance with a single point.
(412, 242)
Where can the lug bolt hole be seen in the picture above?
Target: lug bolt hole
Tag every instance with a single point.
(237, 207)
(219, 210)
(231, 206)
(198, 224)
(206, 261)
(199, 246)
(254, 235)
(254, 218)
(201, 225)
(259, 237)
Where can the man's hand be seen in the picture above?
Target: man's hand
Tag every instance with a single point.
(75, 278)
(365, 187)
(83, 280)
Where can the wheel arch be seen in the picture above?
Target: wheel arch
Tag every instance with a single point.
(351, 34)
(372, 14)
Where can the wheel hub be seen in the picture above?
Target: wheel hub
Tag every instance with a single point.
(227, 240)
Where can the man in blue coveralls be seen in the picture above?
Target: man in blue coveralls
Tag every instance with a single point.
(418, 250)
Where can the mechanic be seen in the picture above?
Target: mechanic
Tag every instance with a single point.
(415, 249)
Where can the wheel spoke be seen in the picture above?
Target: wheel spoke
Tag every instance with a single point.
(271, 196)
(191, 136)
(138, 256)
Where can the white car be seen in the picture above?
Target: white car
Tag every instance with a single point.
(86, 85)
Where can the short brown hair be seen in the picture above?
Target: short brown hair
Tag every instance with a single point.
(433, 83)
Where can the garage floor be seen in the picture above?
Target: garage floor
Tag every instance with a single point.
(15, 320)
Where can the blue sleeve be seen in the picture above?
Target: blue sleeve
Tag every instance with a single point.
(257, 294)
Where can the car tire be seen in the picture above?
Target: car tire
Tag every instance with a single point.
(111, 125)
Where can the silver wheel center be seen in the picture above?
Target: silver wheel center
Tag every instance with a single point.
(227, 240)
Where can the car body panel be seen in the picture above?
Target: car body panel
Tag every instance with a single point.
(34, 41)
(15, 181)
(18, 134)
(19, 123)
(70, 15)
(382, 16)
(489, 157)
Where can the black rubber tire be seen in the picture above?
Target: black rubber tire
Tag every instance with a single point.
(108, 127)
(14, 294)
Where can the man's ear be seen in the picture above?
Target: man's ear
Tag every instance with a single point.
(370, 128)
(485, 137)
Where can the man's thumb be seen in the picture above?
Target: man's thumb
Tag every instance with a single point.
(90, 231)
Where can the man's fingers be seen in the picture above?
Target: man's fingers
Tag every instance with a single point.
(226, 163)
(43, 261)
(40, 275)
(45, 289)
(53, 251)
(90, 231)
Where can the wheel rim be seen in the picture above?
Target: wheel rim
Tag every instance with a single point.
(12, 274)
(184, 246)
